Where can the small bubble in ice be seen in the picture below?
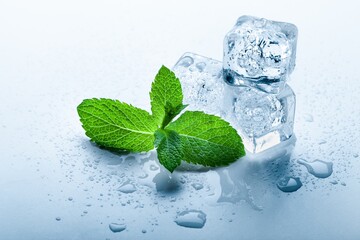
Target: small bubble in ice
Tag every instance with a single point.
(116, 227)
(186, 61)
(308, 117)
(70, 198)
(191, 219)
(143, 231)
(197, 186)
(57, 218)
(289, 184)
(356, 155)
(200, 66)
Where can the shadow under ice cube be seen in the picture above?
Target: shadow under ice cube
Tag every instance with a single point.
(259, 53)
(262, 120)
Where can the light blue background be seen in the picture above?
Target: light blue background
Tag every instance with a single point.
(53, 54)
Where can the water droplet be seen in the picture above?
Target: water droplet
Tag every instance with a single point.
(318, 168)
(70, 198)
(186, 61)
(116, 227)
(200, 66)
(343, 184)
(191, 219)
(334, 182)
(197, 186)
(127, 187)
(143, 231)
(143, 175)
(356, 155)
(289, 184)
(58, 219)
(153, 167)
(308, 118)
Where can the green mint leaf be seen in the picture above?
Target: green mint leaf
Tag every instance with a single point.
(168, 148)
(171, 112)
(114, 124)
(165, 93)
(207, 139)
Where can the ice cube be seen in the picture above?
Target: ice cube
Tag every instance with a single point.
(202, 83)
(259, 53)
(262, 120)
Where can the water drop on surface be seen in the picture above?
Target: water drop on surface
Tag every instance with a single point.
(197, 186)
(58, 219)
(116, 227)
(334, 182)
(191, 219)
(127, 188)
(289, 184)
(318, 168)
(153, 167)
(143, 175)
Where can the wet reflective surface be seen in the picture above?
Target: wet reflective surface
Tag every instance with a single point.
(55, 184)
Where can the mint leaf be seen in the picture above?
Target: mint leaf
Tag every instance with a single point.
(168, 148)
(171, 113)
(165, 93)
(114, 124)
(207, 139)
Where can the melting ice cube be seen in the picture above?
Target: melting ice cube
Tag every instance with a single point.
(262, 120)
(259, 53)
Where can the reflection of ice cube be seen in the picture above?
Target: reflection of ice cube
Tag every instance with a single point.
(259, 53)
(263, 120)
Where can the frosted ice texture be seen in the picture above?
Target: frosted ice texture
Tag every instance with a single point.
(259, 53)
(263, 120)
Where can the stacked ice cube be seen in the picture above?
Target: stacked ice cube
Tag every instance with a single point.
(248, 88)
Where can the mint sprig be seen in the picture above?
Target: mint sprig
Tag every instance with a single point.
(195, 137)
(114, 124)
(207, 139)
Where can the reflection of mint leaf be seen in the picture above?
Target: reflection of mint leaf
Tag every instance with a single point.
(207, 139)
(111, 123)
(165, 93)
(168, 148)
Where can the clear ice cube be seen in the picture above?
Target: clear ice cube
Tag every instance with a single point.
(202, 83)
(259, 53)
(262, 120)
